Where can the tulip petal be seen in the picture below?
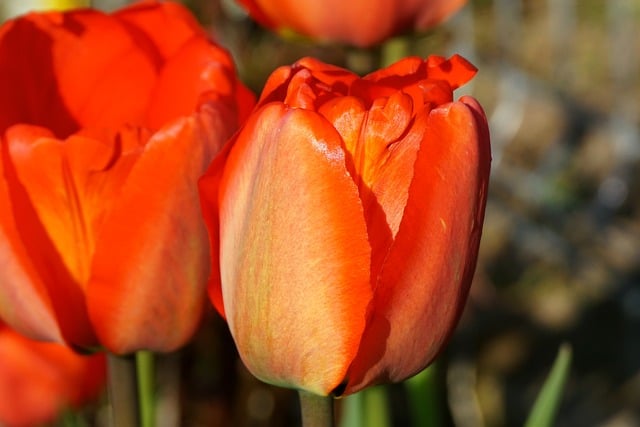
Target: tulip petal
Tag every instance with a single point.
(358, 22)
(197, 73)
(151, 263)
(192, 69)
(58, 193)
(40, 380)
(177, 25)
(91, 82)
(382, 143)
(456, 71)
(93, 79)
(295, 254)
(307, 76)
(425, 279)
(24, 300)
(68, 46)
(336, 78)
(376, 141)
(27, 82)
(72, 86)
(209, 186)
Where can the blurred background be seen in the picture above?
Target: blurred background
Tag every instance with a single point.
(560, 255)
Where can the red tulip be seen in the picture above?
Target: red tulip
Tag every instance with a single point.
(106, 122)
(40, 380)
(345, 218)
(357, 22)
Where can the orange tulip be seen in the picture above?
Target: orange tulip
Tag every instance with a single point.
(40, 380)
(357, 22)
(345, 218)
(106, 123)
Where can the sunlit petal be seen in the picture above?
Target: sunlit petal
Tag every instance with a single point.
(294, 251)
(425, 279)
(148, 276)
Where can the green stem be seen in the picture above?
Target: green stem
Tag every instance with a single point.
(424, 398)
(393, 50)
(122, 390)
(317, 411)
(145, 370)
(367, 408)
(352, 410)
(72, 418)
(376, 407)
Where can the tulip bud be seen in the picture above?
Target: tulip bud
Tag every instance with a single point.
(345, 219)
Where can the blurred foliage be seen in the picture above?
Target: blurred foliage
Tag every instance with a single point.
(548, 401)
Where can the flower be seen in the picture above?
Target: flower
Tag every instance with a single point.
(345, 219)
(107, 121)
(358, 22)
(40, 380)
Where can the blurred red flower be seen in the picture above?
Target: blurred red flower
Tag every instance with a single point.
(357, 22)
(40, 380)
(345, 218)
(106, 123)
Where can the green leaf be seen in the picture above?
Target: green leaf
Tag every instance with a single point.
(547, 403)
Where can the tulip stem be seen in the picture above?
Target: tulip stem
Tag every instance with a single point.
(123, 391)
(146, 394)
(317, 411)
(393, 50)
